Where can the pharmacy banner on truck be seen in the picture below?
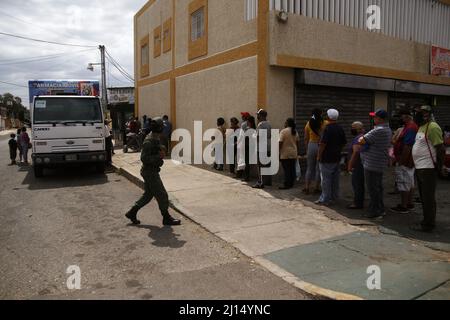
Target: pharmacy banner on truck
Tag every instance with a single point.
(440, 61)
(63, 87)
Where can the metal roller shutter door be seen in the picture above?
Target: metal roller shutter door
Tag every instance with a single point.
(353, 105)
(442, 111)
(398, 100)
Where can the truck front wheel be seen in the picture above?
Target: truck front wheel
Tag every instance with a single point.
(38, 171)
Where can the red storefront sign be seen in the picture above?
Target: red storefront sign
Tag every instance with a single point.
(440, 61)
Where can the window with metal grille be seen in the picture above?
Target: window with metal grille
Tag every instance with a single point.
(197, 24)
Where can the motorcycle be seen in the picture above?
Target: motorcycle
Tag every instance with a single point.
(135, 141)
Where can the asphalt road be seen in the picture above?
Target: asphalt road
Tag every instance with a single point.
(75, 218)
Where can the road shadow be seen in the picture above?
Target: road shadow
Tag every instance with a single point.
(393, 224)
(74, 176)
(163, 237)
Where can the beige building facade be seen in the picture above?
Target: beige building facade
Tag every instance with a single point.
(197, 60)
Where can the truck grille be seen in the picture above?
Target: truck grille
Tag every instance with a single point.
(70, 148)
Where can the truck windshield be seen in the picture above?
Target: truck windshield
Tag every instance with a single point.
(63, 110)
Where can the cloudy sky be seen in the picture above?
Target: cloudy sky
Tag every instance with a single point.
(82, 22)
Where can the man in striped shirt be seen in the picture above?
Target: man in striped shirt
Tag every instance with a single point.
(375, 161)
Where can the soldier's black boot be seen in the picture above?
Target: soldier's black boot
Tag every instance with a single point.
(132, 215)
(168, 220)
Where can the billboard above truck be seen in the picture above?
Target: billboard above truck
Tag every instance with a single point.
(63, 87)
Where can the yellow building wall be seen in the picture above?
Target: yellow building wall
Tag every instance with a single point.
(280, 95)
(154, 100)
(312, 38)
(153, 17)
(223, 91)
(227, 28)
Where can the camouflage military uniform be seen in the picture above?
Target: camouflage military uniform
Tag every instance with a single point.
(154, 187)
(151, 166)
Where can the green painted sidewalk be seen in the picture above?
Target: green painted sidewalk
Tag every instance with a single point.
(407, 271)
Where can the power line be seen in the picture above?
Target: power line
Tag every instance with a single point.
(69, 59)
(121, 81)
(14, 84)
(28, 58)
(122, 73)
(43, 59)
(119, 67)
(32, 24)
(45, 41)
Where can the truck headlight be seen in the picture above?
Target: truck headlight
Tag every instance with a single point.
(94, 158)
(97, 141)
(47, 160)
(101, 157)
(38, 160)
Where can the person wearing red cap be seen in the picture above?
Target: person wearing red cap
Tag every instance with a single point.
(375, 159)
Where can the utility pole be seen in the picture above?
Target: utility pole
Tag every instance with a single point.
(104, 89)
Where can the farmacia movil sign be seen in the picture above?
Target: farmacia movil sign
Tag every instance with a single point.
(63, 87)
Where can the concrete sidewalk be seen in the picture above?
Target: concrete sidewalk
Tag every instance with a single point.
(323, 256)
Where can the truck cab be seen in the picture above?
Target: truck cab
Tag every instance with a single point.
(67, 130)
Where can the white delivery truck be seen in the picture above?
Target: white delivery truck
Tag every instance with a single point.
(67, 130)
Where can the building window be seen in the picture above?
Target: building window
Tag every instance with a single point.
(145, 57)
(167, 36)
(197, 24)
(198, 29)
(157, 42)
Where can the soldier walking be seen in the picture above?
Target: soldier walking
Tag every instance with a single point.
(152, 156)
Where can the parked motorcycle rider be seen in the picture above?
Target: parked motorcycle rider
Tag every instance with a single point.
(152, 157)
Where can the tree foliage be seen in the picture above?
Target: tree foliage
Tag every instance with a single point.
(14, 107)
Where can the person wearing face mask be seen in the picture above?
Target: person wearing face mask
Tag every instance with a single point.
(356, 167)
(428, 154)
(375, 161)
(404, 171)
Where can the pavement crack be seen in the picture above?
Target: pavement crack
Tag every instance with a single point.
(430, 290)
(256, 225)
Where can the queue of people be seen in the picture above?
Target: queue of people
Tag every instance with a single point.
(417, 151)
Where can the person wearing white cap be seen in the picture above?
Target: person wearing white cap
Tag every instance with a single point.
(331, 144)
(333, 114)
